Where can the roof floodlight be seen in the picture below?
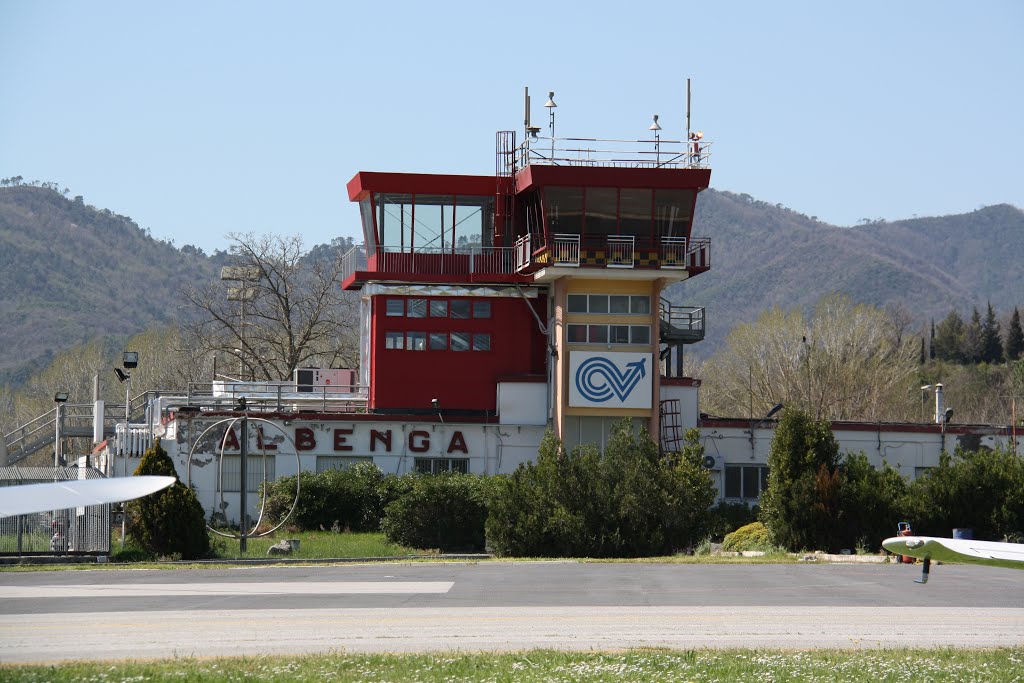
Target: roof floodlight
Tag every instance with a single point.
(550, 104)
(61, 397)
(655, 125)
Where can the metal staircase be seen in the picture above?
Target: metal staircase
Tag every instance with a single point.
(77, 422)
(678, 326)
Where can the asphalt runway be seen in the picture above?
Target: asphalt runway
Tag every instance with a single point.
(500, 606)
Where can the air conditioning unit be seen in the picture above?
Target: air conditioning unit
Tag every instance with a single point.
(712, 462)
(314, 379)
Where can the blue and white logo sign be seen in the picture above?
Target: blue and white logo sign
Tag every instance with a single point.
(609, 380)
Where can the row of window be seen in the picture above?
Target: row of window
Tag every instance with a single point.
(437, 341)
(458, 309)
(441, 465)
(615, 304)
(609, 334)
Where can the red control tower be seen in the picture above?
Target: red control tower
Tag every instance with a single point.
(537, 290)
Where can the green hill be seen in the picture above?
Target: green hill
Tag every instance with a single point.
(70, 272)
(765, 255)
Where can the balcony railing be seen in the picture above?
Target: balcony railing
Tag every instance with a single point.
(531, 252)
(656, 153)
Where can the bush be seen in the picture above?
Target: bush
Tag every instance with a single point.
(726, 517)
(753, 536)
(353, 498)
(982, 490)
(171, 522)
(628, 502)
(870, 503)
(444, 511)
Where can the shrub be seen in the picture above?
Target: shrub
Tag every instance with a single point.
(754, 536)
(725, 517)
(444, 511)
(353, 498)
(170, 522)
(870, 502)
(628, 502)
(982, 490)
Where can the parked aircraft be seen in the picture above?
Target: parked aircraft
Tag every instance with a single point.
(965, 551)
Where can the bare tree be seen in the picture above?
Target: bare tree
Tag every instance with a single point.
(276, 310)
(843, 363)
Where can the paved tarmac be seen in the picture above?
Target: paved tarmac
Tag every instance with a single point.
(492, 606)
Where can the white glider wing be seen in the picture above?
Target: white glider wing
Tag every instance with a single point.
(59, 495)
(959, 550)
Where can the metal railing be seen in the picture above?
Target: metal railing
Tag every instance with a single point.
(432, 260)
(620, 251)
(656, 153)
(77, 422)
(271, 397)
(680, 323)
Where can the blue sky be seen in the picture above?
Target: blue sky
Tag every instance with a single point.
(202, 118)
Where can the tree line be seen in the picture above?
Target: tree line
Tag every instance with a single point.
(977, 340)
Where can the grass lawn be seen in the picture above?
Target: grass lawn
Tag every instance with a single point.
(898, 666)
(313, 545)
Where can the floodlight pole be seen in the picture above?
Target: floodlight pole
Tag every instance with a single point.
(244, 448)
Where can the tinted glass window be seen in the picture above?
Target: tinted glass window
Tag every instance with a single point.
(417, 308)
(460, 308)
(598, 303)
(481, 342)
(577, 303)
(597, 334)
(438, 308)
(438, 341)
(460, 341)
(417, 341)
(481, 309)
(395, 307)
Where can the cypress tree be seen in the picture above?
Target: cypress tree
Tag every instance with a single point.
(169, 522)
(991, 342)
(1014, 337)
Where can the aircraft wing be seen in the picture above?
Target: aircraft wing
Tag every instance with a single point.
(58, 495)
(990, 553)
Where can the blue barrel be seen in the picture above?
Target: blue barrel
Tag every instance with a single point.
(964, 534)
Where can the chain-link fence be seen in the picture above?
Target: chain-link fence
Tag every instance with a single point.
(77, 530)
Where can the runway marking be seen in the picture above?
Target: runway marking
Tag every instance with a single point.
(227, 589)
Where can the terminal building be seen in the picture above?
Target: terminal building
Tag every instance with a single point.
(493, 308)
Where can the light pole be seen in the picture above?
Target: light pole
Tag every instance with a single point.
(59, 398)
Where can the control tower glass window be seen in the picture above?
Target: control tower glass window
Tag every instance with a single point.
(426, 223)
(672, 212)
(602, 211)
(635, 212)
(564, 206)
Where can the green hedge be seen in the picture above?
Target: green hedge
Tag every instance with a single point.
(445, 512)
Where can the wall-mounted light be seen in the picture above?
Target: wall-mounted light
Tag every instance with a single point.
(122, 376)
(61, 397)
(130, 359)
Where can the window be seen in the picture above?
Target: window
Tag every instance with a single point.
(618, 304)
(394, 340)
(395, 307)
(481, 342)
(417, 341)
(745, 481)
(438, 341)
(637, 335)
(417, 308)
(460, 341)
(618, 334)
(339, 462)
(614, 304)
(440, 465)
(640, 305)
(481, 309)
(460, 309)
(254, 471)
(438, 308)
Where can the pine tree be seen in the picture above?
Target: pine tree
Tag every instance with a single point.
(1014, 337)
(949, 339)
(991, 342)
(973, 338)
